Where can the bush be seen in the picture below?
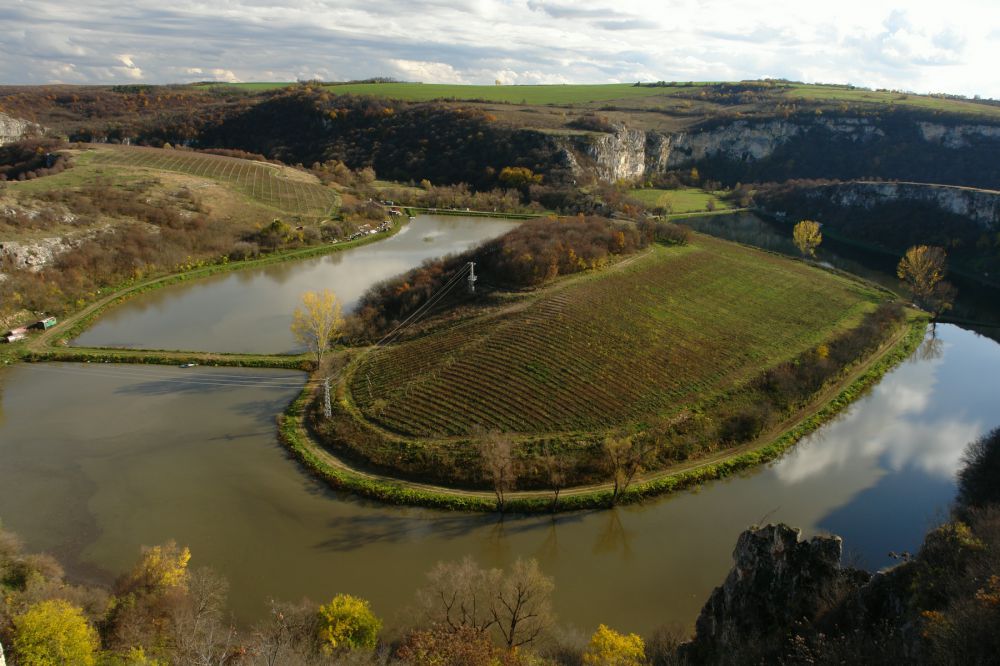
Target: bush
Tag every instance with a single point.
(609, 648)
(54, 632)
(347, 623)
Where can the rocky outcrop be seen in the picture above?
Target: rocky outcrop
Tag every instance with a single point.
(15, 129)
(32, 255)
(786, 600)
(980, 206)
(620, 155)
(777, 580)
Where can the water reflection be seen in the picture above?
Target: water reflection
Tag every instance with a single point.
(96, 461)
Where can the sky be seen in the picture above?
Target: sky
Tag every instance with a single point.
(917, 46)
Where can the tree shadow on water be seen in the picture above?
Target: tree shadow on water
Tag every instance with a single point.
(381, 524)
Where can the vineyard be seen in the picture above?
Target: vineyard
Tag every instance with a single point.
(664, 335)
(265, 183)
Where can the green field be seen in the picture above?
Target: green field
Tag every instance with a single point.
(264, 183)
(832, 94)
(688, 200)
(544, 94)
(665, 334)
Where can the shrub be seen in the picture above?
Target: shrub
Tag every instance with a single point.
(609, 648)
(347, 623)
(54, 632)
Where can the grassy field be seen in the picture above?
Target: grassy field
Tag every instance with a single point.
(547, 94)
(280, 188)
(823, 93)
(688, 200)
(666, 334)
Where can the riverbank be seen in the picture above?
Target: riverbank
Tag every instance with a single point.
(342, 475)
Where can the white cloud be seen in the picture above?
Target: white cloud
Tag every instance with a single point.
(427, 72)
(893, 426)
(918, 45)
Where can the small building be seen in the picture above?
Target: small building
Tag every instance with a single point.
(13, 337)
(43, 324)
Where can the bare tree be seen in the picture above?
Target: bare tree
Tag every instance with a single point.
(496, 455)
(287, 636)
(556, 470)
(523, 605)
(516, 606)
(200, 633)
(624, 458)
(458, 594)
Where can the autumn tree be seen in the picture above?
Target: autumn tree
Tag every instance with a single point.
(317, 321)
(441, 645)
(624, 458)
(54, 632)
(519, 177)
(496, 456)
(607, 647)
(347, 623)
(807, 237)
(160, 568)
(923, 268)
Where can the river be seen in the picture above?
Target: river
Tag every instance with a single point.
(250, 310)
(96, 460)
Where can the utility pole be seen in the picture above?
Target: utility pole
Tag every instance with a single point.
(327, 406)
(472, 277)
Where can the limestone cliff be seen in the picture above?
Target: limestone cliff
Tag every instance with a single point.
(15, 129)
(803, 146)
(979, 206)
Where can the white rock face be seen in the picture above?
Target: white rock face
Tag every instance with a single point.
(957, 136)
(630, 154)
(619, 156)
(980, 206)
(15, 129)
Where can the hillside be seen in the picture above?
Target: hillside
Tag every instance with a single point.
(122, 213)
(671, 340)
(749, 131)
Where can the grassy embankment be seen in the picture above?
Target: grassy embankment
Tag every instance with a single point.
(681, 201)
(671, 335)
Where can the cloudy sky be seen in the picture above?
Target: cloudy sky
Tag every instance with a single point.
(912, 45)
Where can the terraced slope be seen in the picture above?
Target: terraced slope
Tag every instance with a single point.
(271, 185)
(663, 335)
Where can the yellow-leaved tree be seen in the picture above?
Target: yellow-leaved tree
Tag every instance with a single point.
(607, 647)
(807, 237)
(922, 267)
(54, 632)
(347, 623)
(317, 321)
(160, 568)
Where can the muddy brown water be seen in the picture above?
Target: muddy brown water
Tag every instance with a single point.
(97, 460)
